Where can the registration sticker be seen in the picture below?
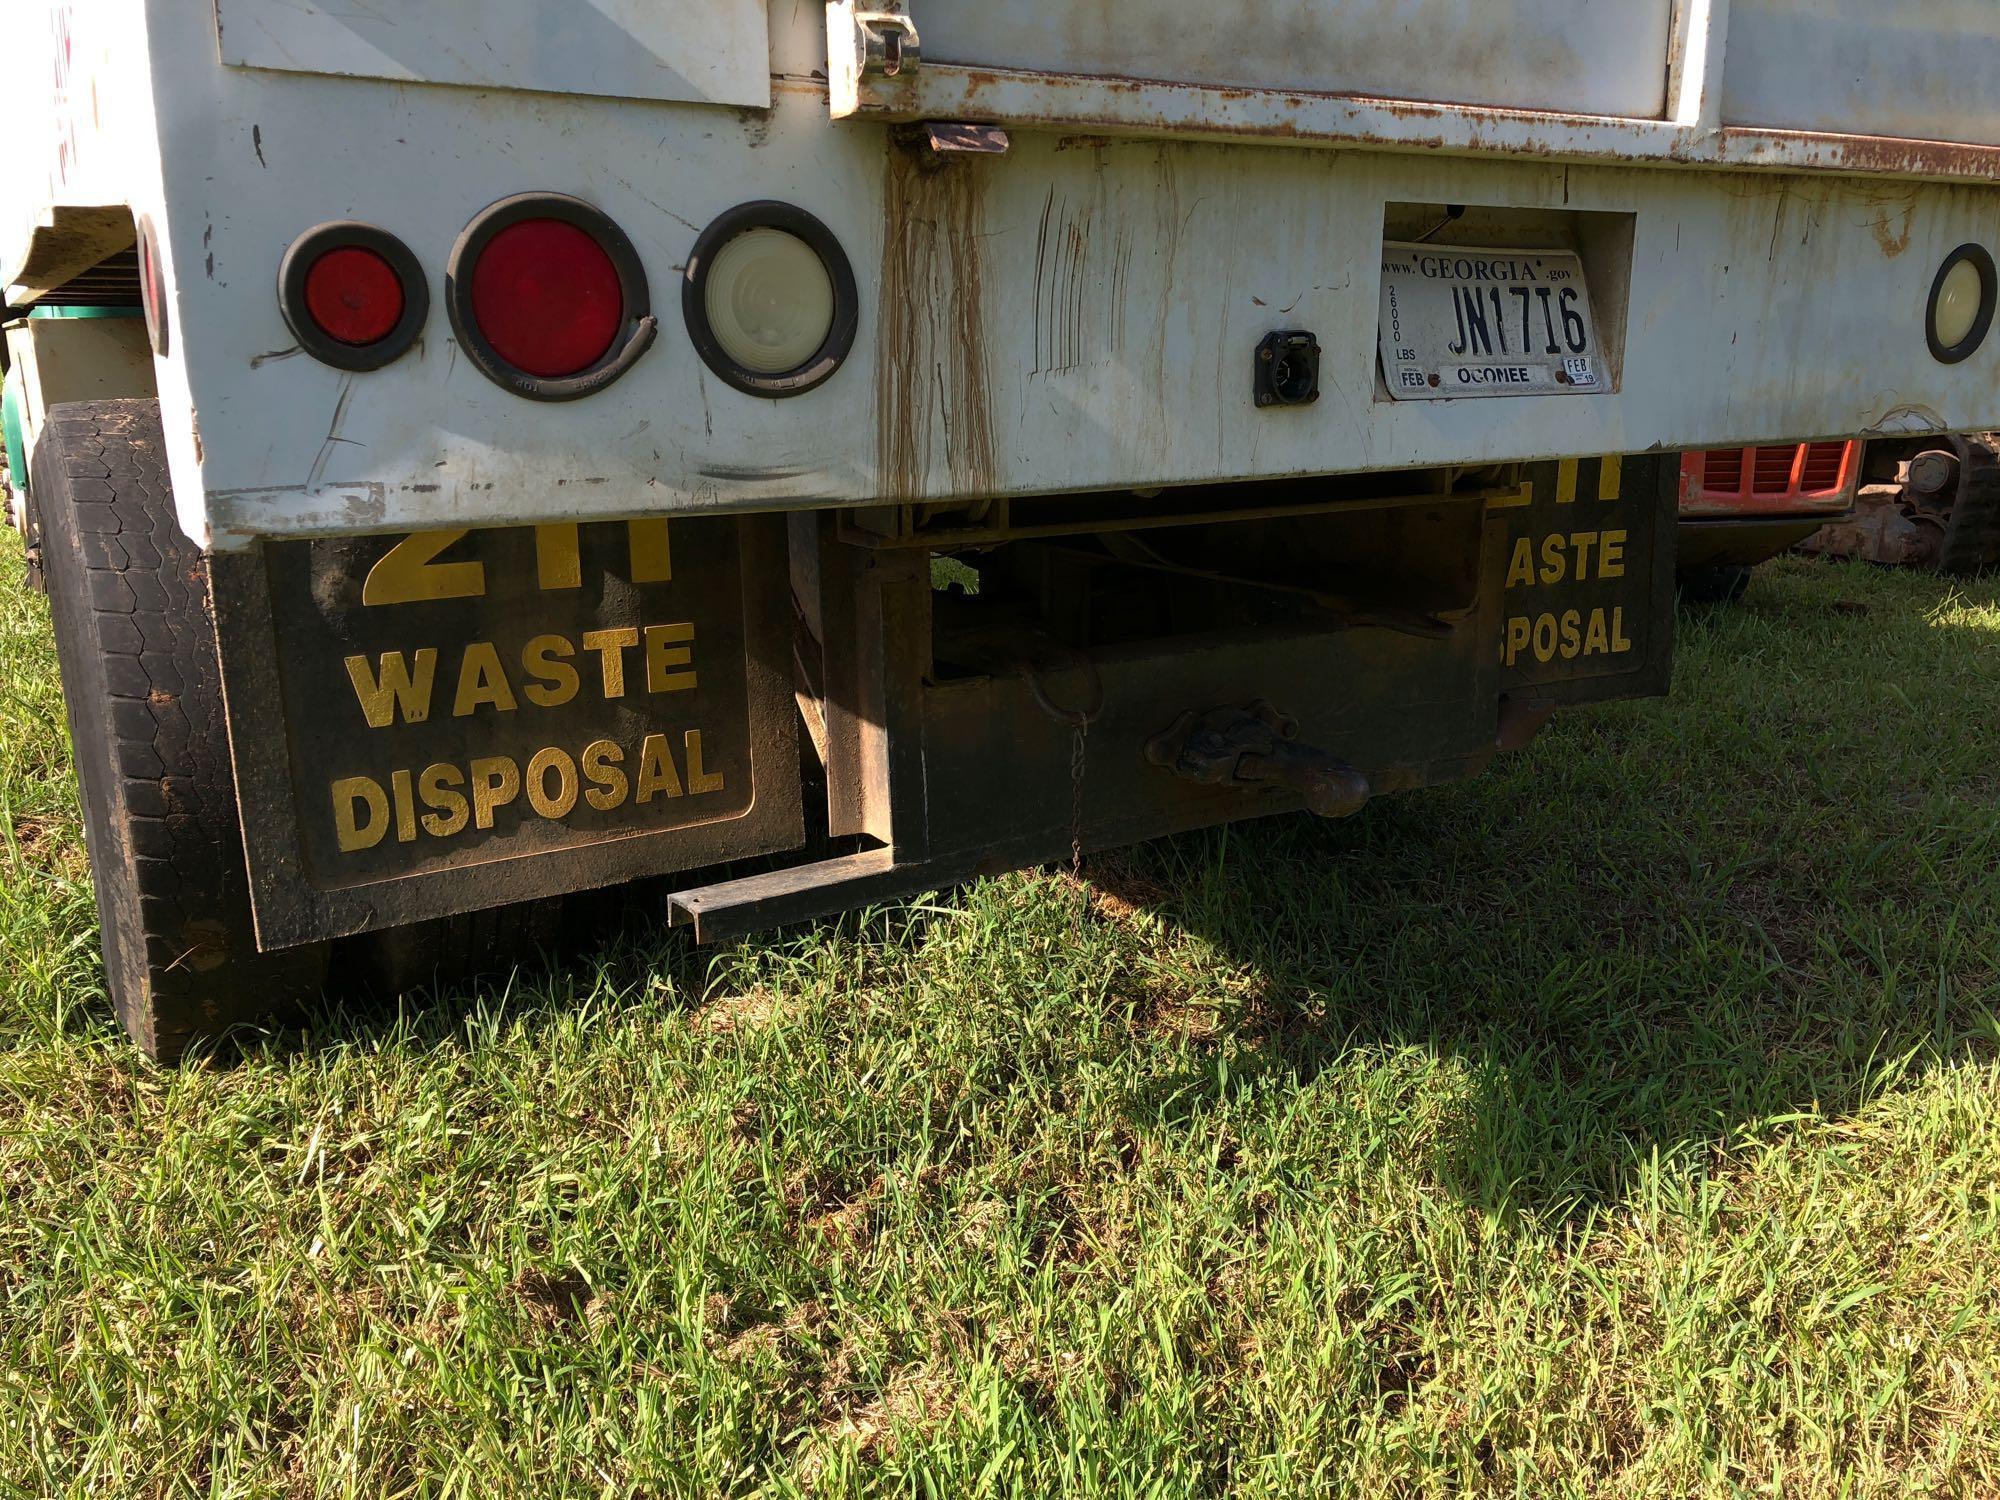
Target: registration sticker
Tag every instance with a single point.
(1460, 323)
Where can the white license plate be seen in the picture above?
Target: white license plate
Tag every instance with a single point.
(1459, 322)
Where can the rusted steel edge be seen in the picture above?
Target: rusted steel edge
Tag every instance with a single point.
(1026, 99)
(849, 532)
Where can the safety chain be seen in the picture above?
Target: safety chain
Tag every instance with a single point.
(1078, 721)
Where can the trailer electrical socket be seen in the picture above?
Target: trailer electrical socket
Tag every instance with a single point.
(1287, 371)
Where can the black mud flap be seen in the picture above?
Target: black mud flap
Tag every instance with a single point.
(442, 722)
(1588, 609)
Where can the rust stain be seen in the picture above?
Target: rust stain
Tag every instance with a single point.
(1876, 153)
(1894, 241)
(932, 363)
(1127, 105)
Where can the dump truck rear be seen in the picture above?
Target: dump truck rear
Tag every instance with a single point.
(512, 449)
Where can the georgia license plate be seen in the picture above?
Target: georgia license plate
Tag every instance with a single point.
(1459, 322)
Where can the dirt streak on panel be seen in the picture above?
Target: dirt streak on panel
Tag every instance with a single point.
(932, 365)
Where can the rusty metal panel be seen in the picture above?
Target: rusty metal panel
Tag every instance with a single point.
(1909, 69)
(716, 52)
(452, 720)
(1577, 56)
(1588, 611)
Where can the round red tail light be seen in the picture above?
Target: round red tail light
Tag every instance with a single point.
(353, 296)
(547, 297)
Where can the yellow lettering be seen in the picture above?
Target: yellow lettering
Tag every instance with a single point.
(652, 554)
(1517, 637)
(1572, 634)
(656, 770)
(496, 781)
(363, 791)
(611, 646)
(1611, 557)
(1619, 643)
(556, 681)
(1566, 482)
(558, 558)
(1555, 566)
(408, 573)
(1595, 641)
(1545, 638)
(1522, 569)
(608, 786)
(558, 761)
(699, 780)
(662, 655)
(482, 681)
(406, 812)
(451, 814)
(1610, 474)
(1581, 543)
(391, 687)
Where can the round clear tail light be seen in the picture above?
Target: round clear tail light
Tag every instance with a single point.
(770, 299)
(1960, 312)
(547, 297)
(353, 295)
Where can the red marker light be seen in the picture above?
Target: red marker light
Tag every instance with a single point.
(354, 295)
(547, 298)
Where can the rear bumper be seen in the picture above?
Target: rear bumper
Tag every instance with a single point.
(1730, 541)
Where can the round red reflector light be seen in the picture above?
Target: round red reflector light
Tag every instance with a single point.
(354, 295)
(547, 297)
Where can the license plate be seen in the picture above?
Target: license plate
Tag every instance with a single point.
(1459, 323)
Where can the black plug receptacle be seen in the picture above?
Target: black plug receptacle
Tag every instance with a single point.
(1287, 369)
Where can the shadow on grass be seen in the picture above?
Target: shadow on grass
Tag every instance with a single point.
(1665, 926)
(1662, 927)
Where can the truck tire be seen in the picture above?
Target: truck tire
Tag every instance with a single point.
(135, 638)
(1971, 544)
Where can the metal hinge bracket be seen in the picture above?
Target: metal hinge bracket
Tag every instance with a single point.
(870, 40)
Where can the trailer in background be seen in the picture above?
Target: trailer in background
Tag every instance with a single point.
(1743, 506)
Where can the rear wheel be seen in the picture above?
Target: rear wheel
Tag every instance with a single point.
(1971, 543)
(135, 637)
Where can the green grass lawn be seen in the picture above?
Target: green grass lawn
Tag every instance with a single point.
(1626, 1123)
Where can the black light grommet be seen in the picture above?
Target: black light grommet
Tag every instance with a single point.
(297, 265)
(818, 368)
(636, 334)
(1981, 261)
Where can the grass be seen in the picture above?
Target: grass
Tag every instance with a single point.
(1626, 1123)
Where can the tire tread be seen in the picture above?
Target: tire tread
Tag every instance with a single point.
(135, 636)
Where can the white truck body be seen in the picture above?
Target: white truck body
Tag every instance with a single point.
(1762, 187)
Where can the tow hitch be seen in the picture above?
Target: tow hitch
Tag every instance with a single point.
(1257, 745)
